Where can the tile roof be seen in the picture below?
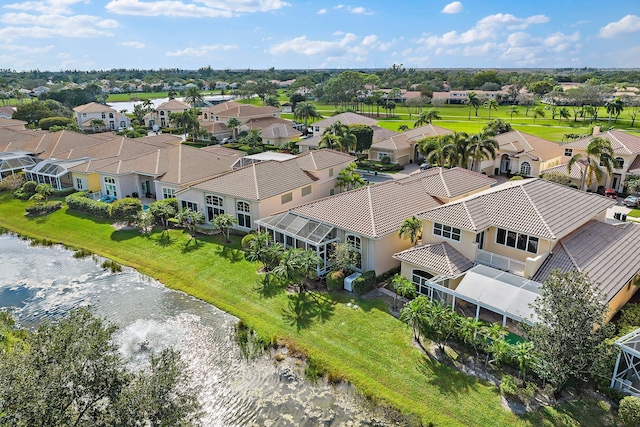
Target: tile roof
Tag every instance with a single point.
(520, 142)
(259, 181)
(322, 159)
(379, 134)
(173, 105)
(214, 127)
(280, 130)
(51, 144)
(622, 142)
(575, 173)
(346, 119)
(439, 257)
(8, 111)
(374, 210)
(265, 122)
(532, 206)
(224, 106)
(409, 138)
(635, 166)
(11, 122)
(605, 252)
(10, 138)
(246, 110)
(93, 107)
(450, 183)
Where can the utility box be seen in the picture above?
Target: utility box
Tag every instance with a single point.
(348, 281)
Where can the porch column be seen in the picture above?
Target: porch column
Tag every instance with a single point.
(504, 320)
(477, 311)
(615, 370)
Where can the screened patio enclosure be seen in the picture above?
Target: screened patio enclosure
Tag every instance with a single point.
(295, 231)
(626, 374)
(11, 163)
(54, 172)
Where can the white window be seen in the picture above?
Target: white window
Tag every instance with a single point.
(186, 204)
(306, 191)
(525, 169)
(355, 242)
(331, 172)
(620, 162)
(317, 129)
(110, 186)
(79, 184)
(215, 206)
(568, 152)
(168, 193)
(286, 198)
(104, 116)
(381, 155)
(111, 115)
(517, 240)
(446, 231)
(243, 212)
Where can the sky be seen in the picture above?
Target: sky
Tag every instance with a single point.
(58, 35)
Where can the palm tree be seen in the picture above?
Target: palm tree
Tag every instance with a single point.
(233, 124)
(437, 150)
(413, 314)
(426, 117)
(189, 219)
(523, 354)
(512, 110)
(193, 96)
(403, 128)
(402, 287)
(43, 191)
(98, 123)
(348, 178)
(537, 112)
(459, 155)
(190, 123)
(331, 141)
(287, 269)
(614, 106)
(305, 110)
(411, 227)
(307, 263)
(563, 113)
(258, 249)
(598, 153)
(224, 222)
(472, 101)
(482, 145)
(491, 104)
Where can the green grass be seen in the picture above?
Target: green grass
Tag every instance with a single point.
(634, 213)
(367, 346)
(583, 412)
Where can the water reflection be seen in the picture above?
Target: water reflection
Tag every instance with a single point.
(46, 282)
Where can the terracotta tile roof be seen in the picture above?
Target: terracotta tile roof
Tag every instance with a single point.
(374, 211)
(622, 142)
(8, 111)
(520, 142)
(575, 173)
(264, 122)
(52, 144)
(93, 107)
(224, 151)
(173, 105)
(240, 111)
(224, 106)
(322, 159)
(259, 181)
(635, 166)
(605, 252)
(532, 206)
(409, 138)
(379, 134)
(439, 257)
(346, 119)
(280, 130)
(214, 127)
(450, 183)
(11, 139)
(120, 148)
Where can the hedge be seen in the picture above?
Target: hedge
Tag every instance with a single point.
(47, 122)
(81, 202)
(27, 190)
(125, 209)
(43, 208)
(335, 280)
(365, 283)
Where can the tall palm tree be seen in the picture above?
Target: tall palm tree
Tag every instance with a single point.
(305, 110)
(349, 179)
(459, 155)
(491, 104)
(331, 141)
(412, 228)
(437, 150)
(413, 314)
(193, 96)
(563, 113)
(598, 153)
(224, 222)
(259, 249)
(614, 106)
(426, 117)
(482, 145)
(512, 110)
(537, 112)
(472, 101)
(402, 287)
(403, 128)
(233, 124)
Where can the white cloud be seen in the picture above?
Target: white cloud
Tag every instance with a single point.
(322, 12)
(46, 6)
(22, 25)
(370, 40)
(137, 45)
(455, 7)
(627, 25)
(195, 9)
(27, 50)
(360, 10)
(302, 46)
(201, 51)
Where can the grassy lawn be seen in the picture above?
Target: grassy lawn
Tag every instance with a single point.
(368, 346)
(582, 412)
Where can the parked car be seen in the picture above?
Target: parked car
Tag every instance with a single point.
(632, 201)
(425, 166)
(610, 192)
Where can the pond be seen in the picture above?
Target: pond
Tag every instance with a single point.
(43, 283)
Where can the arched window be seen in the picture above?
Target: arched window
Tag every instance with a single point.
(215, 207)
(244, 214)
(162, 113)
(620, 162)
(525, 169)
(111, 115)
(110, 186)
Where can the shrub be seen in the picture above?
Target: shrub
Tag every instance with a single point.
(387, 275)
(12, 182)
(385, 160)
(516, 178)
(508, 386)
(630, 411)
(47, 122)
(27, 190)
(80, 202)
(43, 208)
(364, 283)
(629, 318)
(246, 241)
(63, 193)
(125, 209)
(335, 280)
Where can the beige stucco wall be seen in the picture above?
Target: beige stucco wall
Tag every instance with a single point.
(490, 245)
(91, 181)
(622, 297)
(384, 249)
(466, 245)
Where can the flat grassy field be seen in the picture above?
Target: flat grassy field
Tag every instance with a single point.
(367, 346)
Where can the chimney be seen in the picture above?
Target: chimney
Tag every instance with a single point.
(596, 130)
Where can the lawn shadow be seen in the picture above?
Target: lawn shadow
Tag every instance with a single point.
(303, 309)
(124, 234)
(164, 239)
(447, 379)
(268, 286)
(231, 254)
(38, 219)
(192, 245)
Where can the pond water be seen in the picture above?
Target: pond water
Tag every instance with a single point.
(39, 283)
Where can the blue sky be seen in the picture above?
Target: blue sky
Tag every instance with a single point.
(258, 34)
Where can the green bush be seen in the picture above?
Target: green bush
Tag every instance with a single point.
(63, 193)
(365, 283)
(630, 411)
(335, 280)
(125, 209)
(47, 122)
(629, 318)
(385, 160)
(516, 178)
(43, 208)
(387, 275)
(81, 202)
(12, 182)
(27, 190)
(508, 386)
(246, 240)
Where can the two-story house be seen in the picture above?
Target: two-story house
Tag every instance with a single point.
(85, 116)
(403, 148)
(487, 254)
(160, 116)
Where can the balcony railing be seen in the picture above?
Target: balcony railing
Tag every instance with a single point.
(500, 262)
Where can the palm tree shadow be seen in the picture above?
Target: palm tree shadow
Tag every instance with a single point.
(303, 309)
(164, 239)
(267, 286)
(192, 245)
(447, 379)
(233, 255)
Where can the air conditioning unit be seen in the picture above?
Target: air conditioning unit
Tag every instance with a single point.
(348, 281)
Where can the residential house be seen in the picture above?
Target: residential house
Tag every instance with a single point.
(461, 96)
(263, 188)
(111, 118)
(403, 148)
(488, 253)
(6, 112)
(368, 218)
(319, 127)
(160, 116)
(279, 133)
(250, 116)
